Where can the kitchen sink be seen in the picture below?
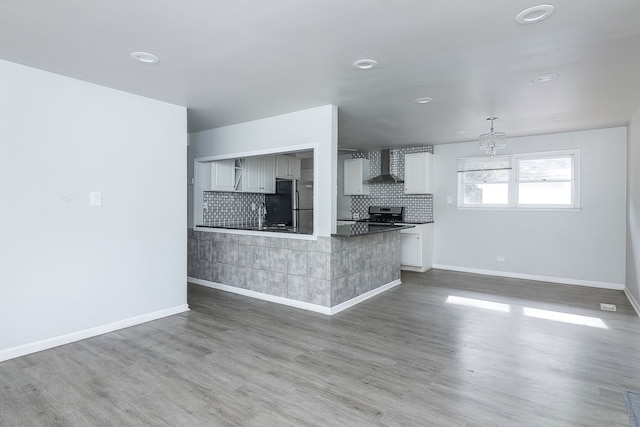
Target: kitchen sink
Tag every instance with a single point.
(276, 228)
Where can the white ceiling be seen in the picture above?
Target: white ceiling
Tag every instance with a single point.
(231, 61)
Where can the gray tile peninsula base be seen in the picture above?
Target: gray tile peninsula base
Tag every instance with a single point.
(325, 272)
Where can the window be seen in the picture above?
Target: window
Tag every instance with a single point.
(484, 181)
(521, 181)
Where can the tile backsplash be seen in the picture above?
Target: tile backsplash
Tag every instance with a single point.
(418, 207)
(226, 209)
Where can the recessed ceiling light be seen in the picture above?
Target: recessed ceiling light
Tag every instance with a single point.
(365, 64)
(462, 132)
(422, 100)
(535, 14)
(546, 77)
(145, 57)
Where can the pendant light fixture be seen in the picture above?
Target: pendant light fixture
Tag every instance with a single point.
(492, 141)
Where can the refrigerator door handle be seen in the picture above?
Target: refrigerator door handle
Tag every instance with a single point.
(295, 202)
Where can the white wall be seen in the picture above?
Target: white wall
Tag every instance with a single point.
(67, 267)
(633, 210)
(316, 126)
(190, 176)
(586, 247)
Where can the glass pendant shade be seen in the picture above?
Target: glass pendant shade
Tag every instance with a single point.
(492, 141)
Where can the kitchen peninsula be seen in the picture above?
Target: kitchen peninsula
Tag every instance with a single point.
(326, 274)
(319, 271)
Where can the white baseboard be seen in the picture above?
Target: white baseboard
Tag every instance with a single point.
(353, 301)
(538, 278)
(632, 300)
(48, 343)
(295, 303)
(417, 269)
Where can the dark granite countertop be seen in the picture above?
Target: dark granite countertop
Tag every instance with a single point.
(268, 229)
(364, 229)
(399, 222)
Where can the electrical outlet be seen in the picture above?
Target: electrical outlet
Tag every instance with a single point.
(449, 200)
(608, 307)
(95, 198)
(253, 206)
(501, 258)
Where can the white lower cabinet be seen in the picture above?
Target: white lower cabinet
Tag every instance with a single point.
(416, 248)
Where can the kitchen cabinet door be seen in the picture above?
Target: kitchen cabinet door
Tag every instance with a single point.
(269, 174)
(418, 172)
(251, 182)
(223, 175)
(355, 172)
(416, 248)
(288, 167)
(410, 250)
(259, 174)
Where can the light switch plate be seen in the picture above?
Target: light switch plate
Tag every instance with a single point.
(95, 198)
(449, 200)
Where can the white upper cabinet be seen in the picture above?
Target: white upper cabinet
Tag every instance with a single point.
(355, 172)
(288, 167)
(223, 175)
(269, 174)
(418, 173)
(259, 174)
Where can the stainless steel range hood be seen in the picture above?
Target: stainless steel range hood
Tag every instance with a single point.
(385, 170)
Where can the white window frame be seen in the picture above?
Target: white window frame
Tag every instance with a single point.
(514, 184)
(461, 183)
(574, 180)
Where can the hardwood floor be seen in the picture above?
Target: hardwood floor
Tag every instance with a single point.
(406, 357)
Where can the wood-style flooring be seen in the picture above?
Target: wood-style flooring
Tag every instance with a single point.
(404, 358)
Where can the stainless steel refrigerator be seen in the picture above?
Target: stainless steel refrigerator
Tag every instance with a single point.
(291, 205)
(303, 205)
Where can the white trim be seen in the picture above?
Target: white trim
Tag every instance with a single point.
(632, 300)
(353, 301)
(295, 303)
(413, 268)
(538, 278)
(262, 296)
(513, 182)
(11, 353)
(267, 151)
(494, 208)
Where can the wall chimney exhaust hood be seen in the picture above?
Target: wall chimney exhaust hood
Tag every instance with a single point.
(385, 170)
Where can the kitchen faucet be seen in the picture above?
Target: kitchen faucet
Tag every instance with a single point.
(262, 215)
